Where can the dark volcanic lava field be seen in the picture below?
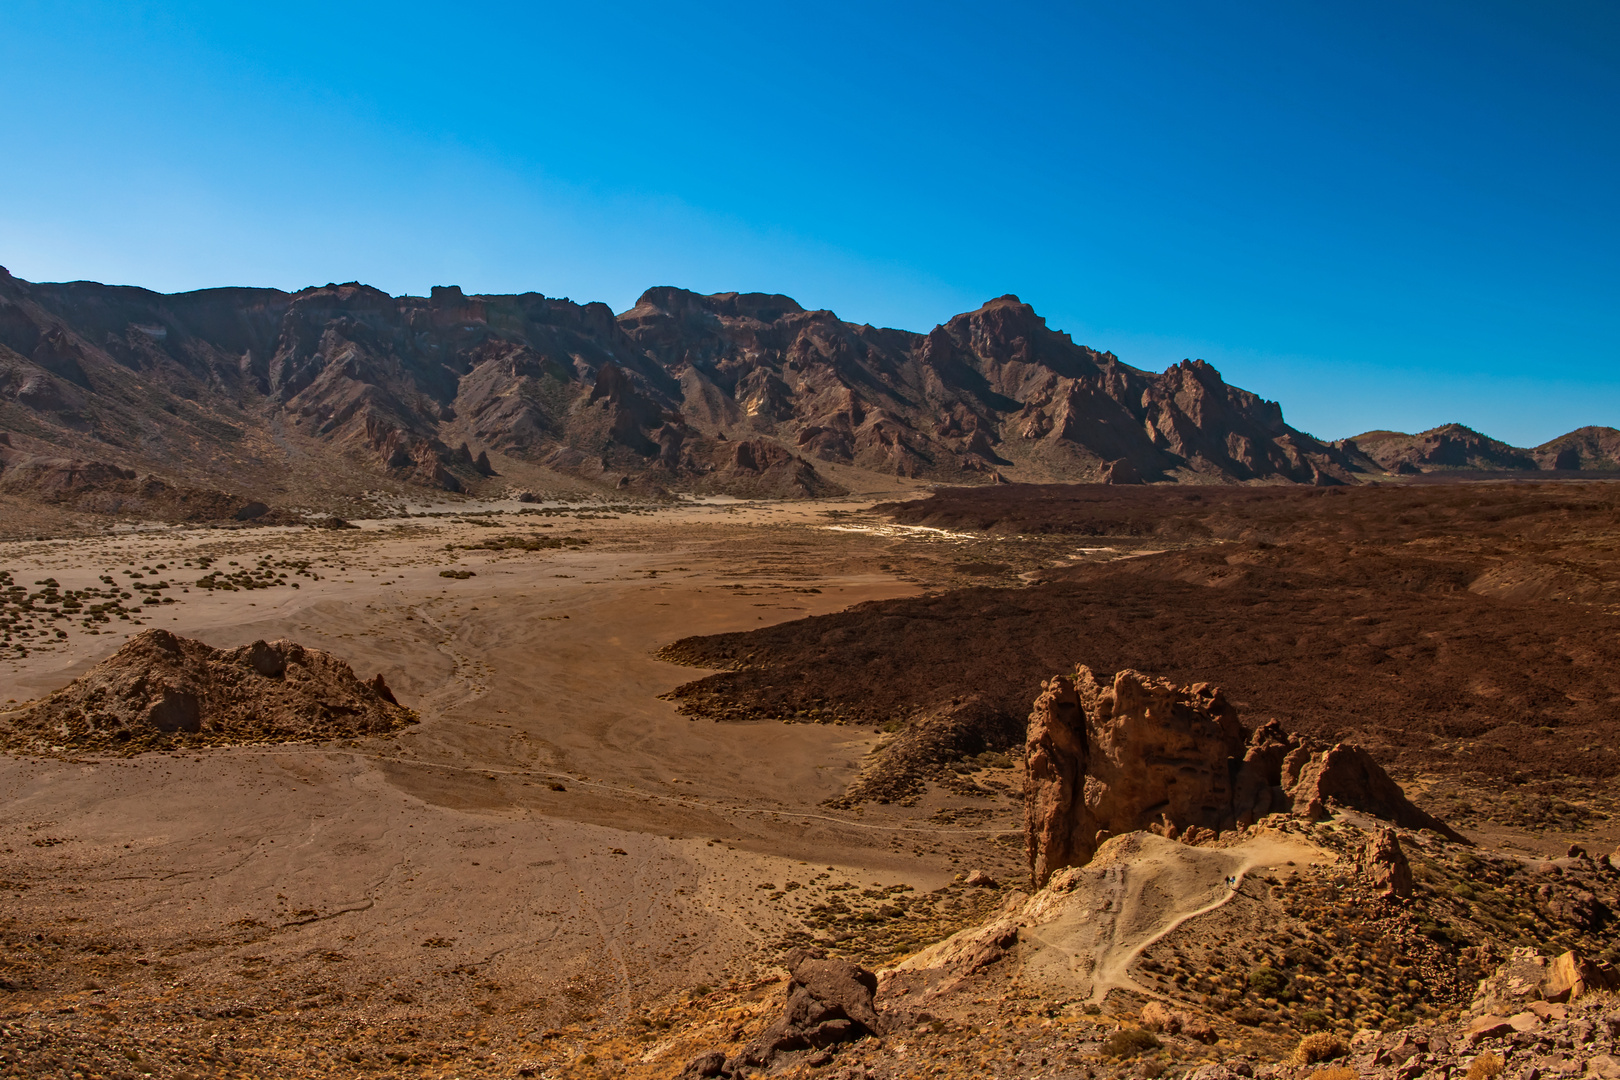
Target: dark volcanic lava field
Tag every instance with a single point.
(1467, 634)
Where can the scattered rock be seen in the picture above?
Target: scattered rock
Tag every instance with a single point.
(978, 879)
(160, 687)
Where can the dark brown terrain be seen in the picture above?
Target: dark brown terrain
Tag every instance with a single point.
(1467, 634)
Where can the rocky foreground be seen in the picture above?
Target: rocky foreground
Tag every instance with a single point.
(1206, 900)
(1217, 902)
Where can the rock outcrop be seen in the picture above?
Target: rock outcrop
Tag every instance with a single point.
(1584, 448)
(104, 488)
(828, 1002)
(1450, 446)
(1454, 446)
(160, 689)
(1385, 865)
(1528, 976)
(1139, 753)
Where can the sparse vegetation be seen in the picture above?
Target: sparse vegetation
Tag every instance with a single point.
(1129, 1043)
(1320, 1046)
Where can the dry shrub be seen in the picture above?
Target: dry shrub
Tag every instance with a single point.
(1335, 1072)
(1128, 1042)
(1486, 1066)
(1319, 1047)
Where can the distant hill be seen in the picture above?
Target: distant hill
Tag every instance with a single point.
(328, 392)
(1451, 446)
(1583, 448)
(1456, 447)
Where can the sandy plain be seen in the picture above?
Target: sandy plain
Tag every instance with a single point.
(552, 849)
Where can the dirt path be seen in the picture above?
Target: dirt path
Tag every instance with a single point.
(1079, 937)
(1139, 924)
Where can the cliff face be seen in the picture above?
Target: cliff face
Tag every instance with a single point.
(738, 392)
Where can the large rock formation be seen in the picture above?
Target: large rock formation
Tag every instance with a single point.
(160, 689)
(1140, 753)
(1386, 866)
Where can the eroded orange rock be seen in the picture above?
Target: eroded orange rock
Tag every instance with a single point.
(1140, 753)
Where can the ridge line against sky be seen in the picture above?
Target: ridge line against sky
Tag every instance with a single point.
(1381, 215)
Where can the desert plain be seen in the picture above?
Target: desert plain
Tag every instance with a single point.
(662, 747)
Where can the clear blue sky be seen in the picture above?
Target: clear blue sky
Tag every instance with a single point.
(1382, 214)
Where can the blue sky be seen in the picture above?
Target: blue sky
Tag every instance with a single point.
(1380, 214)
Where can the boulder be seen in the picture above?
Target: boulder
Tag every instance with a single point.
(1572, 974)
(706, 1065)
(1197, 1028)
(1489, 1026)
(1384, 865)
(1156, 1017)
(1517, 980)
(828, 1002)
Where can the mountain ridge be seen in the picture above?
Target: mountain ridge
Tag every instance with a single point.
(340, 388)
